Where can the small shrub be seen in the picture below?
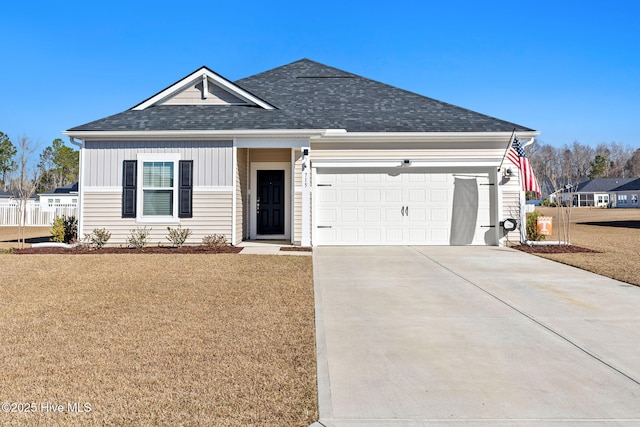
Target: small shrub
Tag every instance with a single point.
(57, 230)
(177, 236)
(532, 227)
(215, 241)
(98, 238)
(139, 237)
(64, 229)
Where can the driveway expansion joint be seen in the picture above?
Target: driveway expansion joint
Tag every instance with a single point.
(532, 318)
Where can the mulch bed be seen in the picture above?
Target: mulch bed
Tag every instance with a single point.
(122, 250)
(553, 249)
(295, 249)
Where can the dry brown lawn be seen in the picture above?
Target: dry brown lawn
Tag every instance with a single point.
(169, 340)
(615, 233)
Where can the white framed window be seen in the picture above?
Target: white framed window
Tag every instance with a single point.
(634, 199)
(157, 183)
(622, 199)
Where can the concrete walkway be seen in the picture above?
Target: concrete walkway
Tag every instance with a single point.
(271, 247)
(464, 336)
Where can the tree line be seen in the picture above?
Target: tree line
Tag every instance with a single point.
(58, 165)
(569, 164)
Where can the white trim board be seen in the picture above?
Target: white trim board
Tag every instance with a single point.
(286, 167)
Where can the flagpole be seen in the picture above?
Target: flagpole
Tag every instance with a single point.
(523, 213)
(504, 156)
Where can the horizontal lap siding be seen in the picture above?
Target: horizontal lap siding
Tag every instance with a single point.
(212, 215)
(510, 189)
(212, 160)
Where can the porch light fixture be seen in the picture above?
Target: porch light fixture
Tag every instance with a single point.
(508, 172)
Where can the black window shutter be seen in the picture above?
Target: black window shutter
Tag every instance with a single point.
(185, 189)
(129, 178)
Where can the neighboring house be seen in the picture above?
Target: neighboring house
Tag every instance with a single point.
(597, 192)
(61, 196)
(305, 153)
(626, 195)
(11, 213)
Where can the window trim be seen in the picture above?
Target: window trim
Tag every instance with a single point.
(157, 157)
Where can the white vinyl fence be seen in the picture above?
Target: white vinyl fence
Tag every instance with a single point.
(10, 215)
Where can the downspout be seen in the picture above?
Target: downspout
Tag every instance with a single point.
(80, 146)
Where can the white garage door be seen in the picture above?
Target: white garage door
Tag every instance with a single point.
(412, 207)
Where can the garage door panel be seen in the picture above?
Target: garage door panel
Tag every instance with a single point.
(439, 195)
(329, 215)
(349, 215)
(327, 195)
(417, 235)
(372, 195)
(419, 195)
(440, 236)
(393, 195)
(348, 195)
(418, 216)
(372, 215)
(411, 207)
(394, 235)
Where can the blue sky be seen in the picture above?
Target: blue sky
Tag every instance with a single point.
(569, 69)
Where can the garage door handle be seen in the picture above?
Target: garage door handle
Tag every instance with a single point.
(402, 211)
(406, 210)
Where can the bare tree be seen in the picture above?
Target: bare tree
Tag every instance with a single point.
(633, 164)
(24, 186)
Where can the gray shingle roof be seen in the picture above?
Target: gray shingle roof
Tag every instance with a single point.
(310, 95)
(604, 185)
(633, 185)
(66, 189)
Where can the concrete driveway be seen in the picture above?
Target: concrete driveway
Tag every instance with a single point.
(460, 336)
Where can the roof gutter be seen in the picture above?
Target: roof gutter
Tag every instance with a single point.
(385, 137)
(191, 134)
(74, 142)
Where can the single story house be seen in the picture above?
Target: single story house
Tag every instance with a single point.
(626, 195)
(305, 153)
(596, 192)
(66, 195)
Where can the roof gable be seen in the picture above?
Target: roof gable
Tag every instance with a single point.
(203, 87)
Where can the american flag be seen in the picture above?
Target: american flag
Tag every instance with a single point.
(517, 156)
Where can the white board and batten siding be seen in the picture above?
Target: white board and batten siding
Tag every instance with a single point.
(212, 160)
(212, 191)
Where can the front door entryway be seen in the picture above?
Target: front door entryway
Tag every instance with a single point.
(270, 202)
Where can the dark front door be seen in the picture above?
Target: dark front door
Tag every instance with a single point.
(270, 202)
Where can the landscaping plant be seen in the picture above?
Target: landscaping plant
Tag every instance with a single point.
(64, 229)
(532, 227)
(139, 237)
(98, 238)
(215, 241)
(177, 236)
